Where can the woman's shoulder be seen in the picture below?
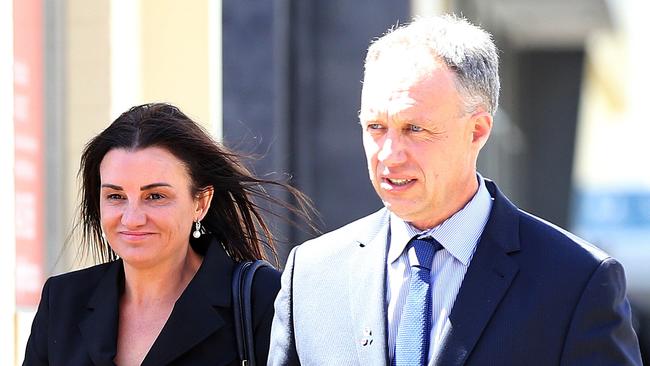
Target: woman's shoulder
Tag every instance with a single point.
(267, 279)
(80, 281)
(266, 285)
(84, 274)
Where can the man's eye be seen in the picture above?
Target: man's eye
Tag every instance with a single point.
(414, 128)
(375, 126)
(156, 196)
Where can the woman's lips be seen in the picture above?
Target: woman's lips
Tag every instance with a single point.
(135, 235)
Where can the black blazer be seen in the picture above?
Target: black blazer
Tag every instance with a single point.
(77, 318)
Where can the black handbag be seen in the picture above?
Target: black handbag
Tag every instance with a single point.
(242, 285)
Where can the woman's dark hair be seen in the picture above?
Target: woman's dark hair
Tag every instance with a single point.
(234, 217)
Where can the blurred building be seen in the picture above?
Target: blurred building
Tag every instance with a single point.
(281, 79)
(76, 65)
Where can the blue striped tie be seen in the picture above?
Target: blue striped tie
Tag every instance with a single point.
(414, 332)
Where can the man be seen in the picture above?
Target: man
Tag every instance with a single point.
(449, 272)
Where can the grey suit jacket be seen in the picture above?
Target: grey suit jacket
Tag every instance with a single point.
(533, 295)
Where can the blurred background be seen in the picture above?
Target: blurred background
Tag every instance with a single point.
(281, 79)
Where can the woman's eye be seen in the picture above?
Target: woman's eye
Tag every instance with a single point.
(114, 196)
(414, 128)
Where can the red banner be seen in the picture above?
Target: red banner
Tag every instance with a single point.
(29, 166)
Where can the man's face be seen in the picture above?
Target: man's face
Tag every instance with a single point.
(420, 145)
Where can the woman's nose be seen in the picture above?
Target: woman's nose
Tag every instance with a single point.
(133, 216)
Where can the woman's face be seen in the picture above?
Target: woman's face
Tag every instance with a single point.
(146, 206)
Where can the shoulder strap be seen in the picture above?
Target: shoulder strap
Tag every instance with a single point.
(242, 285)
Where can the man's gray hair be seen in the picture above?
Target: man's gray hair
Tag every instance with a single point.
(467, 50)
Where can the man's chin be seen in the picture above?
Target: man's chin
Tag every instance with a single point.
(398, 210)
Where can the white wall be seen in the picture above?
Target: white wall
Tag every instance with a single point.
(7, 194)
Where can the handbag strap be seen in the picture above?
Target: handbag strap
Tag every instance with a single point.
(242, 285)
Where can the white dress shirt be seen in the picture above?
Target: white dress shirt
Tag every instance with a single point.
(458, 236)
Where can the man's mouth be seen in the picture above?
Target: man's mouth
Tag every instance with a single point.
(398, 182)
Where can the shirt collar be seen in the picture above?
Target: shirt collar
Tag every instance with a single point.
(459, 234)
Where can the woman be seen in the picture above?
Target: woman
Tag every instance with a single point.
(168, 212)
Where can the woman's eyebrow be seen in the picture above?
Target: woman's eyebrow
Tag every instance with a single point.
(143, 188)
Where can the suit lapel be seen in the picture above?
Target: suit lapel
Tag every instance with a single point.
(487, 280)
(367, 285)
(98, 326)
(196, 314)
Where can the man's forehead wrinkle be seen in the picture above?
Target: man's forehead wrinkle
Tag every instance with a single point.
(402, 115)
(392, 104)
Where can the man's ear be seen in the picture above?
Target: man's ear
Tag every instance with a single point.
(203, 201)
(481, 123)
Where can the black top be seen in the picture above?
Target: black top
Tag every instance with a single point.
(77, 318)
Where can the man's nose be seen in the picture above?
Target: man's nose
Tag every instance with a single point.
(133, 215)
(392, 150)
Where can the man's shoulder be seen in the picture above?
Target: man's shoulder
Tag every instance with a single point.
(537, 236)
(360, 230)
(557, 241)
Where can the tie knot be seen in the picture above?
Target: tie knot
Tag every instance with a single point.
(424, 250)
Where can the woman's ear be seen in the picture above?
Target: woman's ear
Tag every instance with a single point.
(203, 201)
